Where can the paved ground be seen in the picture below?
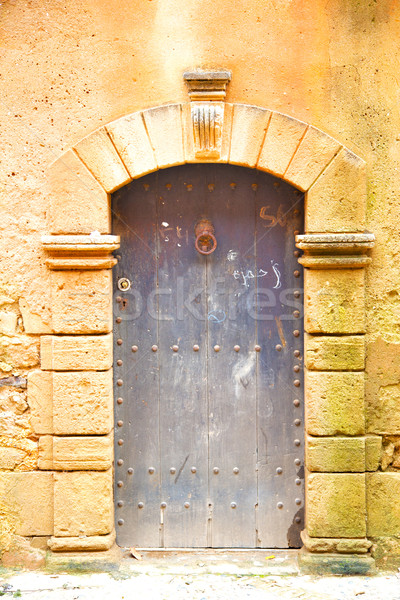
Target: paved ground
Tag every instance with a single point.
(198, 577)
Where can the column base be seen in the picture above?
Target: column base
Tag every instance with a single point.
(94, 543)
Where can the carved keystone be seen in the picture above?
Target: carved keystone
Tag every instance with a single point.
(207, 90)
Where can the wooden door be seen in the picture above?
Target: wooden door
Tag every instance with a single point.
(208, 360)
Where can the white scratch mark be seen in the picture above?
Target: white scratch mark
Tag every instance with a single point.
(242, 372)
(232, 255)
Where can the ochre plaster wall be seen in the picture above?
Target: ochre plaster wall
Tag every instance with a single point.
(68, 68)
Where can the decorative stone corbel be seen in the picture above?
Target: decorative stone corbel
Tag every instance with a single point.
(83, 252)
(335, 250)
(207, 91)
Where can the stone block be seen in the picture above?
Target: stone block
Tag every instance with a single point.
(384, 415)
(341, 545)
(373, 452)
(334, 353)
(101, 158)
(334, 301)
(32, 322)
(94, 543)
(27, 499)
(45, 460)
(78, 203)
(315, 151)
(164, 125)
(130, 138)
(335, 505)
(337, 200)
(82, 402)
(383, 506)
(18, 352)
(335, 454)
(335, 403)
(84, 453)
(81, 301)
(40, 401)
(76, 353)
(83, 504)
(248, 131)
(281, 141)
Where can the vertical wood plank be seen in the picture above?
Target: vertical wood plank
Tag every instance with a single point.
(134, 210)
(231, 374)
(279, 215)
(182, 325)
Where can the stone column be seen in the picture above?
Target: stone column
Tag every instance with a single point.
(338, 453)
(71, 396)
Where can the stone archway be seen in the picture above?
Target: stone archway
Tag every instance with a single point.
(75, 421)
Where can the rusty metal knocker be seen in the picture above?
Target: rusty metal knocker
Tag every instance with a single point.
(205, 239)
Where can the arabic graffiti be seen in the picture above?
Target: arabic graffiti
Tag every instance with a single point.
(246, 276)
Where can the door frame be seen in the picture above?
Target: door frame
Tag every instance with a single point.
(78, 247)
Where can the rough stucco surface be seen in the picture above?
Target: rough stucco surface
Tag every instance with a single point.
(69, 68)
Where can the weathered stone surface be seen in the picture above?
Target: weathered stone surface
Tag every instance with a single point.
(81, 301)
(8, 322)
(45, 460)
(283, 136)
(32, 322)
(27, 501)
(17, 451)
(12, 399)
(383, 507)
(164, 125)
(335, 454)
(99, 155)
(23, 555)
(337, 200)
(68, 403)
(373, 452)
(83, 504)
(18, 352)
(335, 564)
(382, 385)
(248, 131)
(10, 458)
(70, 180)
(386, 414)
(335, 403)
(313, 154)
(339, 353)
(75, 544)
(386, 552)
(82, 402)
(341, 545)
(40, 400)
(76, 353)
(335, 505)
(334, 301)
(92, 453)
(132, 142)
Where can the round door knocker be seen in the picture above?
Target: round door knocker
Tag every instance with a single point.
(206, 241)
(124, 284)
